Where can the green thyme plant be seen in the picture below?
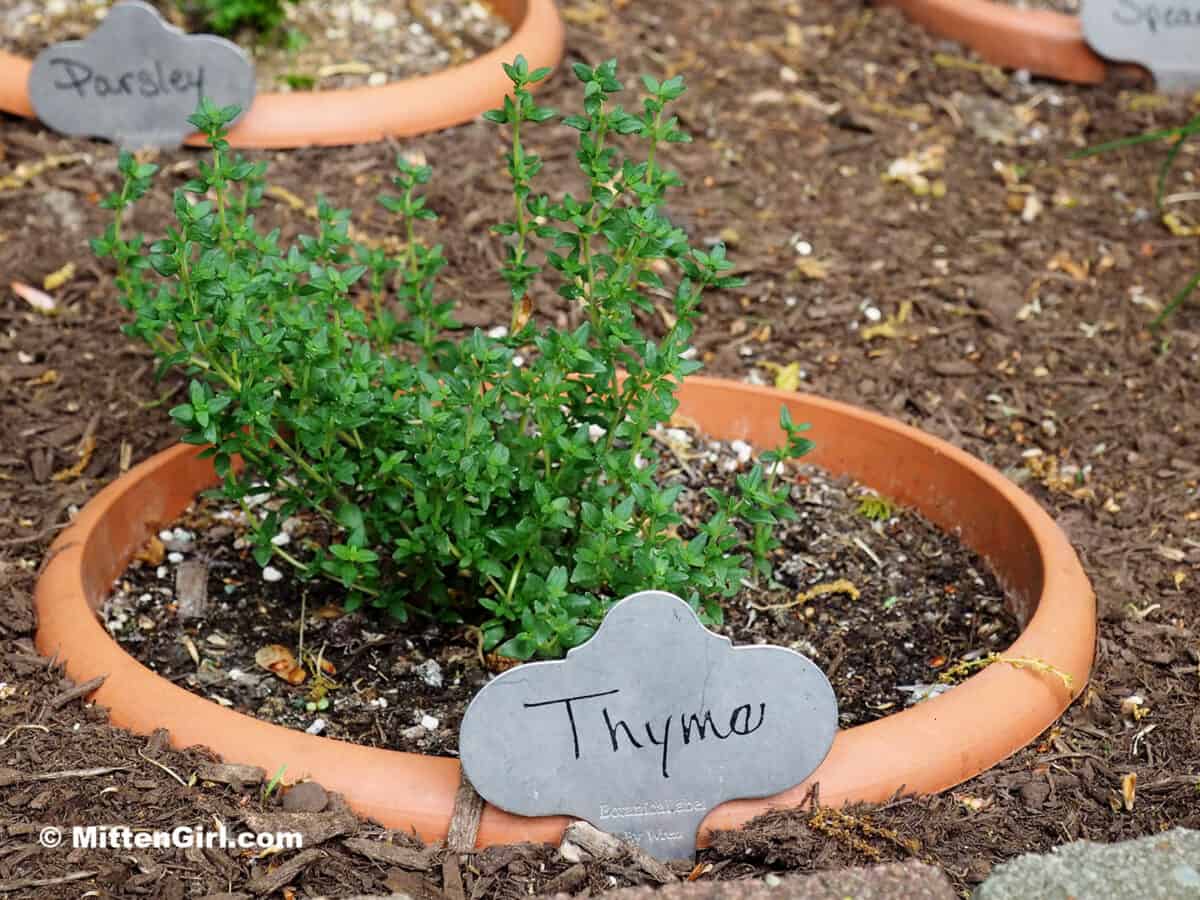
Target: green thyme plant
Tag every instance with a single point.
(228, 17)
(499, 481)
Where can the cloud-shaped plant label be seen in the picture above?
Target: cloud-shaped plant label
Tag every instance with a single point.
(136, 79)
(1162, 36)
(648, 726)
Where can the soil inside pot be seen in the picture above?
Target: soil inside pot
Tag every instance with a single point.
(891, 602)
(342, 44)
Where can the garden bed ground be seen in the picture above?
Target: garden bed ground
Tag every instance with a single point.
(894, 604)
(342, 44)
(1030, 282)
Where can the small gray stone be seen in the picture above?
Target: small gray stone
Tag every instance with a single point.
(307, 796)
(230, 773)
(65, 206)
(647, 726)
(572, 853)
(1156, 867)
(1160, 36)
(191, 589)
(430, 672)
(136, 79)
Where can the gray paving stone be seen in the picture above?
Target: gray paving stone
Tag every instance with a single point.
(1158, 867)
(896, 881)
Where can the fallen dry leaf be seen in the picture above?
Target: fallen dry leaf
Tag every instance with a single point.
(497, 663)
(1062, 262)
(840, 586)
(813, 269)
(521, 319)
(278, 659)
(892, 327)
(787, 378)
(153, 552)
(39, 300)
(1129, 790)
(48, 377)
(86, 447)
(913, 170)
(28, 171)
(1178, 226)
(59, 277)
(190, 646)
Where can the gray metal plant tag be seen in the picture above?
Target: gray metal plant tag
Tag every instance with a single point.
(648, 726)
(136, 79)
(1162, 36)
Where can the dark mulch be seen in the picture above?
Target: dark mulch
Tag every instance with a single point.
(1026, 344)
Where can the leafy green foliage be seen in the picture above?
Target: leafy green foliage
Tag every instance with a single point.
(876, 509)
(228, 17)
(501, 481)
(1177, 136)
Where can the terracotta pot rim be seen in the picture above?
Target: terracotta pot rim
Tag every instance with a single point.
(1041, 41)
(923, 749)
(403, 108)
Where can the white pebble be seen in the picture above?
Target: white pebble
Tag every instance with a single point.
(595, 432)
(165, 534)
(430, 672)
(270, 573)
(430, 723)
(518, 361)
(175, 557)
(742, 450)
(499, 331)
(161, 571)
(804, 248)
(282, 539)
(316, 727)
(679, 436)
(375, 79)
(872, 314)
(384, 21)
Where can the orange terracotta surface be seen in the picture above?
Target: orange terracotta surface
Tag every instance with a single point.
(1040, 40)
(924, 749)
(358, 115)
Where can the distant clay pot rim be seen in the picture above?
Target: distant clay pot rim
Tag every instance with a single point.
(923, 749)
(403, 108)
(1040, 41)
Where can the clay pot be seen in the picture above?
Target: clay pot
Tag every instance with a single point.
(923, 749)
(357, 115)
(1039, 40)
